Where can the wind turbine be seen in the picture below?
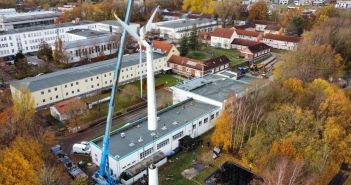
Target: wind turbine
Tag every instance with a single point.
(151, 95)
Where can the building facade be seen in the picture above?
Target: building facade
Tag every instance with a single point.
(281, 41)
(11, 20)
(28, 40)
(255, 51)
(174, 30)
(222, 37)
(50, 88)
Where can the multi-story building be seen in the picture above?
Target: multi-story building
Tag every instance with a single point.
(176, 29)
(9, 21)
(197, 104)
(281, 41)
(113, 26)
(78, 81)
(255, 52)
(196, 68)
(28, 40)
(86, 49)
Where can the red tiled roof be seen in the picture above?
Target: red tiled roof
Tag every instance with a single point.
(247, 33)
(223, 32)
(244, 42)
(188, 62)
(282, 37)
(64, 106)
(215, 62)
(197, 64)
(204, 35)
(164, 46)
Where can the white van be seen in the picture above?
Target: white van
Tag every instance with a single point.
(81, 148)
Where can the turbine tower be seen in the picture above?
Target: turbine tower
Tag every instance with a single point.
(151, 95)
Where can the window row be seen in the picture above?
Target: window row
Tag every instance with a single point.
(146, 152)
(162, 144)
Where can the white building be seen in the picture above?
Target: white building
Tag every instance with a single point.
(86, 49)
(281, 41)
(113, 26)
(7, 11)
(9, 21)
(222, 37)
(343, 4)
(29, 39)
(83, 80)
(177, 29)
(197, 104)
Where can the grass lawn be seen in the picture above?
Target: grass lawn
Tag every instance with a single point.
(280, 51)
(198, 55)
(232, 54)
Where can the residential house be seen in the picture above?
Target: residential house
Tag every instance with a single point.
(242, 43)
(343, 4)
(256, 51)
(196, 68)
(204, 37)
(267, 26)
(283, 42)
(67, 109)
(247, 35)
(222, 37)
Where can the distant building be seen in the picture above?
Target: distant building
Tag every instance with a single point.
(267, 26)
(196, 68)
(343, 4)
(281, 41)
(222, 37)
(247, 35)
(113, 26)
(255, 52)
(11, 20)
(174, 30)
(204, 37)
(29, 39)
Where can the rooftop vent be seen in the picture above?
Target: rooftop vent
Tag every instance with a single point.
(131, 144)
(153, 134)
(140, 139)
(175, 123)
(158, 118)
(123, 135)
(164, 127)
(138, 125)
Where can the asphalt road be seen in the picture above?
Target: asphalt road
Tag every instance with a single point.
(66, 142)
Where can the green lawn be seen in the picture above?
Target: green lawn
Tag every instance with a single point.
(198, 55)
(232, 54)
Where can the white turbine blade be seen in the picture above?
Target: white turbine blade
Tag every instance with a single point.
(128, 28)
(147, 27)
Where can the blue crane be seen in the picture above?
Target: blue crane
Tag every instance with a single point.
(103, 176)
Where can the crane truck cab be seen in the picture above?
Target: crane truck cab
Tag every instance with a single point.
(82, 148)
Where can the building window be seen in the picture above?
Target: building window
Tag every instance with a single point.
(50, 98)
(91, 79)
(55, 88)
(56, 96)
(92, 86)
(77, 83)
(162, 144)
(49, 91)
(65, 86)
(72, 92)
(97, 77)
(78, 90)
(200, 123)
(194, 126)
(42, 92)
(180, 134)
(217, 114)
(205, 120)
(146, 153)
(43, 100)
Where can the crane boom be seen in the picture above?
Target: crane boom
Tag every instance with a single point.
(104, 164)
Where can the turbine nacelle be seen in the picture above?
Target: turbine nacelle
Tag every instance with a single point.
(140, 38)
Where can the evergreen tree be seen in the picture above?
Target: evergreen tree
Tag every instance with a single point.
(184, 48)
(193, 42)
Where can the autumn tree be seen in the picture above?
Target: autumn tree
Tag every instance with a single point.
(15, 169)
(45, 52)
(226, 9)
(204, 6)
(295, 26)
(49, 176)
(79, 181)
(23, 107)
(258, 11)
(130, 92)
(308, 62)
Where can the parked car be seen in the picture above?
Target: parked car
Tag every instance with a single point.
(82, 148)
